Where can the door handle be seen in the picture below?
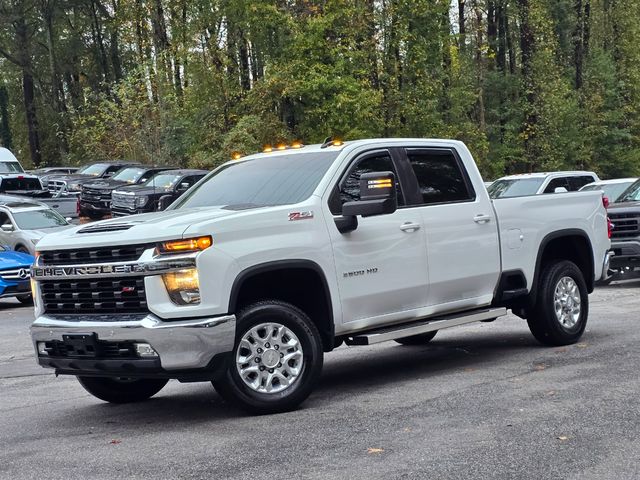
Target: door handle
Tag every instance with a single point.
(410, 227)
(482, 218)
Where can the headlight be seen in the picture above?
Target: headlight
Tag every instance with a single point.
(73, 187)
(183, 286)
(185, 246)
(142, 201)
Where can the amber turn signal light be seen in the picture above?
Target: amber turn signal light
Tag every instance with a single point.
(188, 245)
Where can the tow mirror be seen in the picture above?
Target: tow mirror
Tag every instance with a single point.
(183, 187)
(560, 190)
(7, 227)
(164, 202)
(378, 196)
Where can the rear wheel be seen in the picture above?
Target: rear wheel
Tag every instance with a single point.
(417, 339)
(277, 359)
(562, 307)
(122, 390)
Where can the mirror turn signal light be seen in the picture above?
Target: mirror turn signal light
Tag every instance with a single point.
(187, 245)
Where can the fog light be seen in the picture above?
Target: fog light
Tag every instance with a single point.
(145, 350)
(183, 286)
(42, 348)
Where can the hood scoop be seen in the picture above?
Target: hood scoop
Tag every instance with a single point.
(107, 227)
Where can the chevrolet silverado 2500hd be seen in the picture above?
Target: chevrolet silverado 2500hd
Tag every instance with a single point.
(272, 260)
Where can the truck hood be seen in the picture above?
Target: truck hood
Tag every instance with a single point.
(622, 207)
(143, 189)
(11, 259)
(136, 229)
(105, 184)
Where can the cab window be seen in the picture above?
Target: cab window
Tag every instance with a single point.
(349, 190)
(440, 176)
(557, 183)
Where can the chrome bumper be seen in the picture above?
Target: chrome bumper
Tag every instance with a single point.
(181, 345)
(606, 266)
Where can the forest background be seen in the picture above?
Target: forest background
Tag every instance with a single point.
(529, 85)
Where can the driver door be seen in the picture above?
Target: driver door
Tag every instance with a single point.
(381, 265)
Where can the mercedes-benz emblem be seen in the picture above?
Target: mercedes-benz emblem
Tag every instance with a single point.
(23, 273)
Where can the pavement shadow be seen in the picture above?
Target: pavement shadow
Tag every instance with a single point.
(380, 368)
(400, 363)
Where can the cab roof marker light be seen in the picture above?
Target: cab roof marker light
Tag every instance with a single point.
(331, 142)
(236, 155)
(267, 149)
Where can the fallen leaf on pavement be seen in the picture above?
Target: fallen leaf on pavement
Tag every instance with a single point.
(375, 450)
(115, 442)
(563, 438)
(582, 345)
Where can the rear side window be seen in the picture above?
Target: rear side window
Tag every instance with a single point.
(576, 183)
(440, 177)
(9, 184)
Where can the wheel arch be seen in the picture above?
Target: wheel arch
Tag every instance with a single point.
(300, 282)
(569, 244)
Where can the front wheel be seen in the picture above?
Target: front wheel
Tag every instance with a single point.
(277, 359)
(562, 307)
(122, 390)
(25, 299)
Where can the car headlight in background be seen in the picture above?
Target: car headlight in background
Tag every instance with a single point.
(183, 286)
(142, 201)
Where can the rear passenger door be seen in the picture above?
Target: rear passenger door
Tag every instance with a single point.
(460, 228)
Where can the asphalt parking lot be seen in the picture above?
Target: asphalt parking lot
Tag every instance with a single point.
(482, 401)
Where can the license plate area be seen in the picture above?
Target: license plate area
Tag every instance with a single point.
(81, 345)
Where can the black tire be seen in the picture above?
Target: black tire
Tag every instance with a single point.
(420, 339)
(122, 390)
(235, 391)
(94, 215)
(25, 299)
(542, 319)
(23, 249)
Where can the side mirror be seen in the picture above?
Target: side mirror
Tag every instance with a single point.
(164, 202)
(68, 219)
(183, 187)
(560, 190)
(7, 227)
(378, 196)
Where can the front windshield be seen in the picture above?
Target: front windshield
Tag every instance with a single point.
(515, 187)
(277, 180)
(163, 180)
(38, 219)
(96, 170)
(611, 190)
(10, 167)
(631, 194)
(129, 175)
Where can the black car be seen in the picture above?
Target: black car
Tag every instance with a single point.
(89, 173)
(144, 198)
(625, 234)
(95, 198)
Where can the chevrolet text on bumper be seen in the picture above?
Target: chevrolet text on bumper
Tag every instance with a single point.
(271, 261)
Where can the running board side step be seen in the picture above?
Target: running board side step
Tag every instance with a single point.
(423, 326)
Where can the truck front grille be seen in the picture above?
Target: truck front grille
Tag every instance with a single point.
(55, 186)
(125, 253)
(625, 224)
(121, 200)
(95, 296)
(95, 195)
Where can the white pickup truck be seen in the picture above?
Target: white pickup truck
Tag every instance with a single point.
(275, 259)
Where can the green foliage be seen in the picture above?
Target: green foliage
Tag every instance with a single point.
(189, 83)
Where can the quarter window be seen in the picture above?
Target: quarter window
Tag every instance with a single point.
(557, 183)
(440, 178)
